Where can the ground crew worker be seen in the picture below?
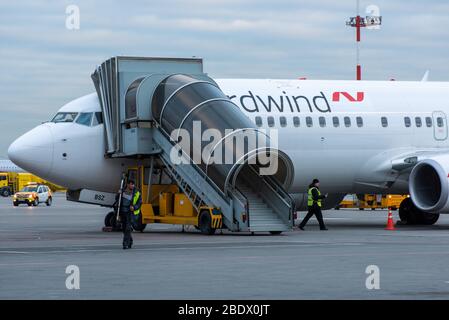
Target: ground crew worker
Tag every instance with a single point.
(314, 198)
(129, 211)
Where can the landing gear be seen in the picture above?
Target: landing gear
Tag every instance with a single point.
(111, 221)
(409, 214)
(205, 223)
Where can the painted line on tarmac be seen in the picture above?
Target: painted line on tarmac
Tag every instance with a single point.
(178, 248)
(15, 252)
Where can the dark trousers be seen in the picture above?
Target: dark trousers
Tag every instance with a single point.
(126, 219)
(314, 210)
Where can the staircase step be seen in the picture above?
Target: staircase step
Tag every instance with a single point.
(261, 215)
(268, 228)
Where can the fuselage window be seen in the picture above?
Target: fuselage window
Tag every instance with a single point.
(347, 122)
(384, 122)
(418, 122)
(259, 121)
(309, 122)
(270, 121)
(336, 122)
(84, 118)
(440, 122)
(407, 122)
(359, 121)
(428, 122)
(322, 121)
(283, 121)
(98, 119)
(296, 121)
(64, 117)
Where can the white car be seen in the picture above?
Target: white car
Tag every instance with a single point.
(32, 195)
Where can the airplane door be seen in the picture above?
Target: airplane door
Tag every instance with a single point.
(440, 125)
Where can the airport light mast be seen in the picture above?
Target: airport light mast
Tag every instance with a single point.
(358, 22)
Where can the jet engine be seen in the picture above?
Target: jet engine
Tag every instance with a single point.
(429, 185)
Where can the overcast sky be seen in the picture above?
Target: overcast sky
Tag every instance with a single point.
(44, 65)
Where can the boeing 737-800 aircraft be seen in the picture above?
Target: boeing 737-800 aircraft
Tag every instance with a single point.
(356, 137)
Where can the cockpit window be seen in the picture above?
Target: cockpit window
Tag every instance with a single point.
(64, 117)
(84, 118)
(98, 119)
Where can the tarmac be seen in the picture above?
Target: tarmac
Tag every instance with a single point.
(37, 244)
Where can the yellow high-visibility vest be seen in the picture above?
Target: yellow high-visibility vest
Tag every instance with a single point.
(136, 197)
(310, 200)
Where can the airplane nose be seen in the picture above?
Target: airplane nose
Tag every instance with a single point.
(33, 151)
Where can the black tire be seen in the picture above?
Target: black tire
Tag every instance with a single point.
(138, 225)
(205, 223)
(36, 202)
(428, 219)
(15, 204)
(29, 204)
(116, 226)
(5, 192)
(409, 214)
(108, 219)
(275, 233)
(49, 201)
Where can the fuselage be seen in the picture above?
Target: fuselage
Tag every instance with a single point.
(345, 133)
(9, 166)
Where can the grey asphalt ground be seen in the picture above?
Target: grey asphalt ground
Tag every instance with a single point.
(37, 244)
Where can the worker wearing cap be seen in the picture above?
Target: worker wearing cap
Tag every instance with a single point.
(314, 198)
(129, 210)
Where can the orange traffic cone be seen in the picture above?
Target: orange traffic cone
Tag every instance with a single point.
(390, 222)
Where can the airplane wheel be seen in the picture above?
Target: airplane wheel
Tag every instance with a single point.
(108, 219)
(111, 221)
(205, 223)
(428, 219)
(409, 214)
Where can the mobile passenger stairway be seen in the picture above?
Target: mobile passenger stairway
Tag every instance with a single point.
(159, 108)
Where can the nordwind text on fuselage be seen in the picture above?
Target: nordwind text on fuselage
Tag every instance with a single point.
(252, 102)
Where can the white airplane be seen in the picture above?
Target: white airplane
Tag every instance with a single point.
(383, 137)
(9, 166)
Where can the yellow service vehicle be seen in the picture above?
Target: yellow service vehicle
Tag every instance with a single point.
(372, 201)
(162, 202)
(11, 182)
(4, 184)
